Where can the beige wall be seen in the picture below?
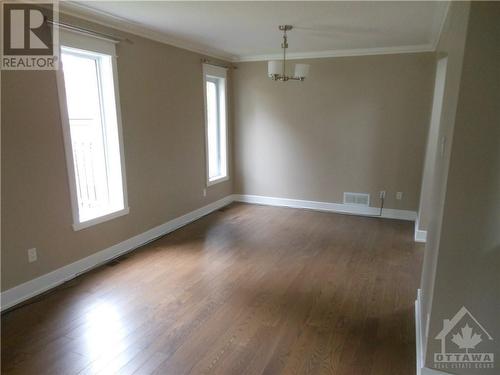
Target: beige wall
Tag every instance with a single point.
(356, 124)
(293, 140)
(451, 45)
(163, 130)
(468, 265)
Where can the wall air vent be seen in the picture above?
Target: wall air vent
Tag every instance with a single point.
(358, 199)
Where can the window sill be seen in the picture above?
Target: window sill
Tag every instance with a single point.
(100, 219)
(217, 180)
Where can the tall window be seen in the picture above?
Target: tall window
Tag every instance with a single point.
(92, 130)
(216, 123)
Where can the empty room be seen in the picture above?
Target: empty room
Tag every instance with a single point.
(250, 187)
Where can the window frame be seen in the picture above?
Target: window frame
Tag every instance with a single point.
(94, 46)
(218, 75)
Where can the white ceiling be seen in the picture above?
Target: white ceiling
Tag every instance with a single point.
(243, 31)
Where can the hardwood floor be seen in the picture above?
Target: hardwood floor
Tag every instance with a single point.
(245, 290)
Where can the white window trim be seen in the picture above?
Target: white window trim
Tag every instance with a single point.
(220, 72)
(80, 41)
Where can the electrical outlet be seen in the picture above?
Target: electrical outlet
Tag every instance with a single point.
(382, 194)
(32, 255)
(399, 195)
(205, 192)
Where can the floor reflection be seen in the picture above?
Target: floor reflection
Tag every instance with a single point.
(105, 337)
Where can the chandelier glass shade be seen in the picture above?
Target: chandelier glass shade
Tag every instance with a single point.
(277, 69)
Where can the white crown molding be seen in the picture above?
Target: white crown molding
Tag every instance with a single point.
(109, 20)
(339, 53)
(122, 24)
(341, 208)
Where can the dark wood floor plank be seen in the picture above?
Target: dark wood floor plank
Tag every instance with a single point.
(245, 290)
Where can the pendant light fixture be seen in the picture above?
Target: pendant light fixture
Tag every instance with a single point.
(276, 69)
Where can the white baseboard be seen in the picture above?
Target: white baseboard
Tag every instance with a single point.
(418, 333)
(420, 235)
(41, 284)
(29, 289)
(431, 371)
(421, 369)
(388, 213)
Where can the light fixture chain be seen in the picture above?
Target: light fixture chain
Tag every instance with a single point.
(301, 70)
(284, 46)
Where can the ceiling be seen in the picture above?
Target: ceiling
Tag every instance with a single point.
(248, 31)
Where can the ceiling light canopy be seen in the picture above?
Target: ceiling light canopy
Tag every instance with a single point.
(276, 69)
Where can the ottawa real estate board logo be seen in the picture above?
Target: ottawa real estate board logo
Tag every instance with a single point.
(464, 344)
(29, 42)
